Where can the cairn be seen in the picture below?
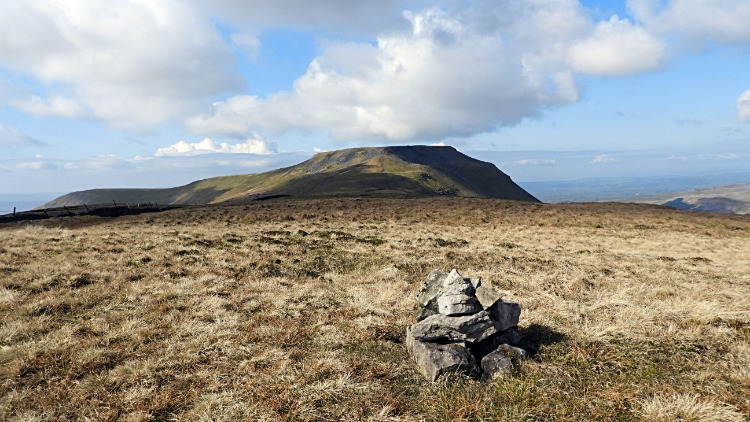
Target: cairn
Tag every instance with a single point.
(463, 327)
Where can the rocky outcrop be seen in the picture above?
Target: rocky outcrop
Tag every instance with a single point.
(464, 327)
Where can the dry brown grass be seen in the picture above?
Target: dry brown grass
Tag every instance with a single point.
(296, 310)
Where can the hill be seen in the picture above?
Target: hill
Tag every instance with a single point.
(357, 172)
(733, 199)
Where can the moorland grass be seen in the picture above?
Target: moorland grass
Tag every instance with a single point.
(296, 310)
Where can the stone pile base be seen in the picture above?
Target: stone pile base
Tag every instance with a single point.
(464, 327)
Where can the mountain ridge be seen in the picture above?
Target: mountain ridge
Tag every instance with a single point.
(733, 199)
(374, 171)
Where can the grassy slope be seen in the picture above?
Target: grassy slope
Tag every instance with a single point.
(296, 310)
(413, 171)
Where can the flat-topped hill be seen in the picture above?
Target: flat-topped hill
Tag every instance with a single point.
(358, 172)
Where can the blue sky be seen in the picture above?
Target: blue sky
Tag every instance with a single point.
(160, 93)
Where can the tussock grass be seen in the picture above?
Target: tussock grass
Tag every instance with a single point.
(296, 310)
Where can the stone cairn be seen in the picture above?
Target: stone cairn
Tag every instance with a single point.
(464, 327)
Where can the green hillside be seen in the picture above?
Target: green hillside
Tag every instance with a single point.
(383, 171)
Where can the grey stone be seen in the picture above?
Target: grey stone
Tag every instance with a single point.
(504, 314)
(487, 295)
(423, 313)
(476, 282)
(428, 294)
(457, 297)
(454, 329)
(491, 343)
(435, 360)
(516, 354)
(450, 303)
(431, 288)
(496, 365)
(457, 284)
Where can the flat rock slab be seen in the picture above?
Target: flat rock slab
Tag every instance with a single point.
(435, 360)
(450, 303)
(455, 329)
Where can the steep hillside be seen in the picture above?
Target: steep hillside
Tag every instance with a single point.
(384, 171)
(733, 199)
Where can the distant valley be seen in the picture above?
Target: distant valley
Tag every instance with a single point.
(626, 189)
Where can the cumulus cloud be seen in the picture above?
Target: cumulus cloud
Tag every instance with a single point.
(208, 146)
(130, 62)
(443, 78)
(349, 17)
(743, 107)
(9, 135)
(451, 70)
(617, 48)
(696, 21)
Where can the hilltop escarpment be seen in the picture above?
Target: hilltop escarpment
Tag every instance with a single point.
(402, 171)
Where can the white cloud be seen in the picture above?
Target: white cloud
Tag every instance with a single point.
(54, 106)
(451, 70)
(416, 85)
(743, 107)
(536, 162)
(691, 121)
(696, 21)
(9, 135)
(36, 165)
(208, 146)
(56, 175)
(350, 17)
(603, 159)
(617, 48)
(729, 156)
(130, 62)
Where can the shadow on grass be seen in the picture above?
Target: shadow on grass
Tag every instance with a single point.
(535, 336)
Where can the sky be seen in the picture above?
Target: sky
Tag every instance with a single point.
(159, 93)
